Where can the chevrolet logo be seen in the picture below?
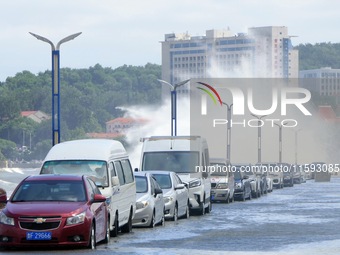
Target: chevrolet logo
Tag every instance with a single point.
(39, 220)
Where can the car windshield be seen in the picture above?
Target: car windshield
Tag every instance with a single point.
(141, 184)
(163, 180)
(237, 175)
(218, 169)
(176, 161)
(57, 190)
(95, 169)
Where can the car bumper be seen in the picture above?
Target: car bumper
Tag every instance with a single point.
(220, 194)
(169, 209)
(143, 217)
(238, 192)
(15, 236)
(196, 196)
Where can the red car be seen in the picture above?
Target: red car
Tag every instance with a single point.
(47, 210)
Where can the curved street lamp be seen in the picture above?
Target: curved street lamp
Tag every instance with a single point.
(280, 140)
(174, 104)
(296, 144)
(259, 136)
(228, 130)
(55, 83)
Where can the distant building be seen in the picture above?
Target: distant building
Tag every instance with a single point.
(121, 125)
(37, 116)
(263, 52)
(324, 81)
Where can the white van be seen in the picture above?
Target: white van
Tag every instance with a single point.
(107, 163)
(188, 156)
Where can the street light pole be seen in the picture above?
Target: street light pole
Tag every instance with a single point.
(228, 130)
(280, 140)
(296, 145)
(174, 104)
(259, 136)
(55, 83)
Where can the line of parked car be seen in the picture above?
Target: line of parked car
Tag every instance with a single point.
(246, 181)
(87, 191)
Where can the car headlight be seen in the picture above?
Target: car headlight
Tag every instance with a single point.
(6, 220)
(238, 185)
(79, 218)
(167, 199)
(195, 183)
(222, 186)
(141, 204)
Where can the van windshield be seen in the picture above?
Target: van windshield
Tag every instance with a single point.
(95, 169)
(218, 169)
(176, 161)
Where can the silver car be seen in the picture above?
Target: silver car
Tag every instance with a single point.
(222, 181)
(149, 201)
(175, 194)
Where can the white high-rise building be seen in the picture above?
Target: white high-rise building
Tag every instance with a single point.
(263, 52)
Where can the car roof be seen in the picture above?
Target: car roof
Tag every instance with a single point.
(141, 173)
(159, 172)
(53, 177)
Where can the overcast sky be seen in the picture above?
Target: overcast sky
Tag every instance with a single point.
(129, 32)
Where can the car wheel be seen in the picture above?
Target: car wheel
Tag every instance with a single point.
(187, 213)
(202, 209)
(107, 235)
(163, 219)
(127, 228)
(243, 198)
(208, 209)
(175, 217)
(92, 241)
(153, 220)
(114, 232)
(255, 194)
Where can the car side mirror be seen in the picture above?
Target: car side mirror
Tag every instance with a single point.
(158, 191)
(98, 198)
(180, 186)
(115, 181)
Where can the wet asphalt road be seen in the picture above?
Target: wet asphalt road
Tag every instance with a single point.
(304, 219)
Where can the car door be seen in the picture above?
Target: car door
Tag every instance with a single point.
(98, 209)
(159, 203)
(181, 196)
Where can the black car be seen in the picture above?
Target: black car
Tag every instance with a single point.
(288, 175)
(242, 185)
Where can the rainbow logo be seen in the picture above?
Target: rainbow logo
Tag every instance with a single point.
(210, 92)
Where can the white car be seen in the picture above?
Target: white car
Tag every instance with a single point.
(149, 201)
(269, 184)
(175, 194)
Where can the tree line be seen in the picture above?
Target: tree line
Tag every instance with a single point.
(89, 98)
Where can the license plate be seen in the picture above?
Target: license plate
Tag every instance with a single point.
(38, 235)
